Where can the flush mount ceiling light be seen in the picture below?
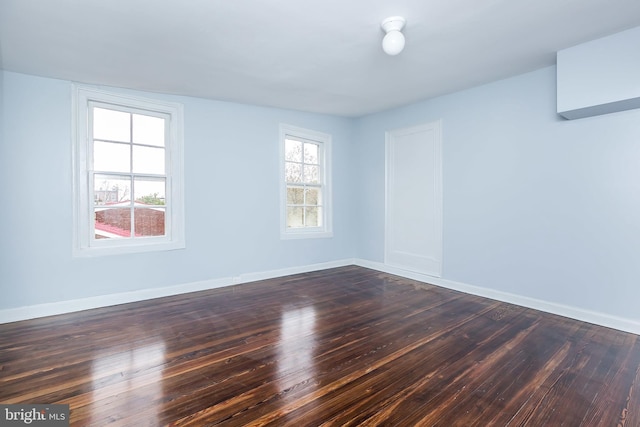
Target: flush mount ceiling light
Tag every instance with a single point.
(393, 42)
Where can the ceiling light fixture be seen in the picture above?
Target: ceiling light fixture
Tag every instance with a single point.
(393, 41)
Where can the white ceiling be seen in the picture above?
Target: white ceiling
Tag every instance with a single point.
(321, 56)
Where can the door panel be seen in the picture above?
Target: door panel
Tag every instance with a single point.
(413, 225)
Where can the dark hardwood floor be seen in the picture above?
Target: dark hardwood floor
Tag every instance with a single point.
(341, 347)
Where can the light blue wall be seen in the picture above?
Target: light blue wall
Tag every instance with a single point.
(232, 199)
(534, 205)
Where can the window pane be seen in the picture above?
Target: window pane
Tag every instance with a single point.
(312, 217)
(149, 191)
(295, 195)
(111, 157)
(149, 221)
(110, 190)
(111, 125)
(292, 150)
(148, 130)
(311, 174)
(294, 217)
(112, 223)
(312, 196)
(293, 172)
(311, 153)
(148, 160)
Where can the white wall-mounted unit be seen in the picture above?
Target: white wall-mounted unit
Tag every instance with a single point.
(600, 77)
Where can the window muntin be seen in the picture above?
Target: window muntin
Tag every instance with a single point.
(128, 179)
(306, 183)
(129, 173)
(303, 179)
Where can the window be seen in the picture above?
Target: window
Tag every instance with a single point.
(128, 174)
(305, 183)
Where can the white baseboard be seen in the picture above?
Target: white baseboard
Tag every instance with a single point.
(602, 319)
(70, 306)
(62, 307)
(264, 275)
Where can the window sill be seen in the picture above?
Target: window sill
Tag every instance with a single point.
(291, 235)
(87, 252)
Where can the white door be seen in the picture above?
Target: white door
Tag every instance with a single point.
(413, 223)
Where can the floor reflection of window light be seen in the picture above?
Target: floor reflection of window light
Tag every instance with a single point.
(128, 382)
(297, 342)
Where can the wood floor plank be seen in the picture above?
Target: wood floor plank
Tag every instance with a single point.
(341, 347)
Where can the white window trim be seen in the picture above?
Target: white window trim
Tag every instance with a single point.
(326, 230)
(82, 214)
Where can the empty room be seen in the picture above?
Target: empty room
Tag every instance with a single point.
(364, 213)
